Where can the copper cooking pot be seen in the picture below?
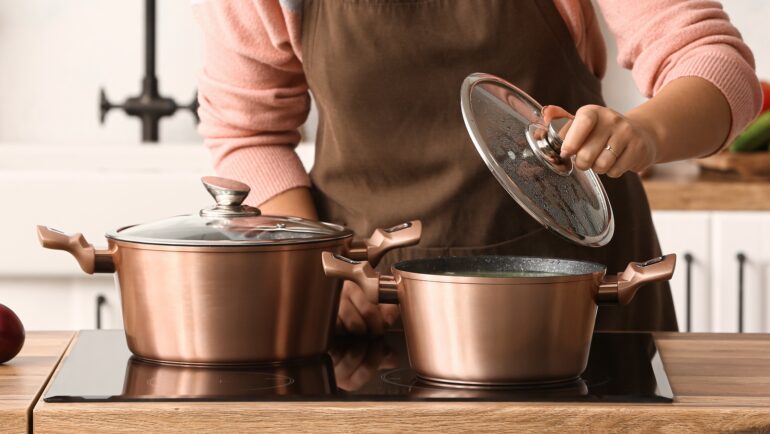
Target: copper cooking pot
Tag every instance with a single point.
(227, 285)
(463, 326)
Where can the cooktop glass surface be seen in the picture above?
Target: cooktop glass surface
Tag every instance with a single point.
(622, 367)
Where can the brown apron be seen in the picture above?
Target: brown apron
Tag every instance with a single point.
(391, 143)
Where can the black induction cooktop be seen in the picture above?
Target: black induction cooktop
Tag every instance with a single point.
(622, 367)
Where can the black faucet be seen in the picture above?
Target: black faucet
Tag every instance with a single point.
(149, 105)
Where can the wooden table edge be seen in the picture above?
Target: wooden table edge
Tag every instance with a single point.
(33, 403)
(246, 414)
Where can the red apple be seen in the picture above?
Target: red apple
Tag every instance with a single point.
(765, 96)
(11, 334)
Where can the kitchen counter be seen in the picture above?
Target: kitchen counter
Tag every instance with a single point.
(684, 186)
(721, 382)
(23, 378)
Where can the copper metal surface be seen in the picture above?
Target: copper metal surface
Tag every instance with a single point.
(383, 240)
(90, 260)
(422, 388)
(487, 331)
(244, 307)
(223, 305)
(313, 377)
(482, 333)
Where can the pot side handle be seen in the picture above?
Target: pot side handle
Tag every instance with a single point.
(383, 240)
(90, 260)
(378, 288)
(622, 288)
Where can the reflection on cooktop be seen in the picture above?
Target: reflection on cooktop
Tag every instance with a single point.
(622, 367)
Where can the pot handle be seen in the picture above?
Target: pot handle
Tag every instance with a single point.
(378, 288)
(90, 260)
(621, 288)
(383, 240)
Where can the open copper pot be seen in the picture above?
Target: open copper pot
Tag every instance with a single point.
(499, 320)
(227, 285)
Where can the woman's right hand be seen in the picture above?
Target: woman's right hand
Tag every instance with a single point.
(358, 316)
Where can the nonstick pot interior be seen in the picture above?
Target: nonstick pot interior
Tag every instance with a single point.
(495, 264)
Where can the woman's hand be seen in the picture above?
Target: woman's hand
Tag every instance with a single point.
(605, 140)
(688, 118)
(358, 315)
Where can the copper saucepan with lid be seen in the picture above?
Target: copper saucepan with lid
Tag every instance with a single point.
(227, 285)
(499, 320)
(507, 320)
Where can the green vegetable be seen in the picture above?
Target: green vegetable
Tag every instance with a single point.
(755, 137)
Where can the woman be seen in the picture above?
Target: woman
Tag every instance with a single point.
(391, 144)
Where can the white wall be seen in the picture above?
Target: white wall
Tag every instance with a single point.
(55, 54)
(749, 16)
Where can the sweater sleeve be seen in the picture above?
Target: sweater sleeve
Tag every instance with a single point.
(662, 40)
(253, 94)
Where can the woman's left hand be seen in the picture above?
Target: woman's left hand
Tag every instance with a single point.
(605, 140)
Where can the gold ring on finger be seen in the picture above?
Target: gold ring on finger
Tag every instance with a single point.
(612, 151)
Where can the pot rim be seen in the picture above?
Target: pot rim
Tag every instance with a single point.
(594, 276)
(227, 244)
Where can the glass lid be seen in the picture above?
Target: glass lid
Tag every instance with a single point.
(229, 223)
(508, 130)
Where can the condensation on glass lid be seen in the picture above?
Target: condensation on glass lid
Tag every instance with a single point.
(194, 229)
(575, 205)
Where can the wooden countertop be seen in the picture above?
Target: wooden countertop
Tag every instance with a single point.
(23, 378)
(722, 382)
(683, 186)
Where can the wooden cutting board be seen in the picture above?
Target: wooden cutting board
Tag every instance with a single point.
(750, 165)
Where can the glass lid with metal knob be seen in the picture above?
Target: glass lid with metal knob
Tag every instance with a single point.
(508, 130)
(229, 223)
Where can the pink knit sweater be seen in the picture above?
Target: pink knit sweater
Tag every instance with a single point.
(254, 96)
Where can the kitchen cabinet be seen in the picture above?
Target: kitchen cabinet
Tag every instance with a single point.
(741, 255)
(729, 255)
(63, 302)
(688, 235)
(715, 216)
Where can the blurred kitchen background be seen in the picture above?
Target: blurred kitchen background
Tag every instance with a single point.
(60, 167)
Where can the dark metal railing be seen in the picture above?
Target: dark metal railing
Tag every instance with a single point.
(688, 259)
(101, 300)
(741, 257)
(149, 106)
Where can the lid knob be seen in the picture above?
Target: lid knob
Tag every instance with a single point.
(546, 144)
(555, 129)
(229, 195)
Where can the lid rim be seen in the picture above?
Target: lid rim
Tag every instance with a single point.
(114, 235)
